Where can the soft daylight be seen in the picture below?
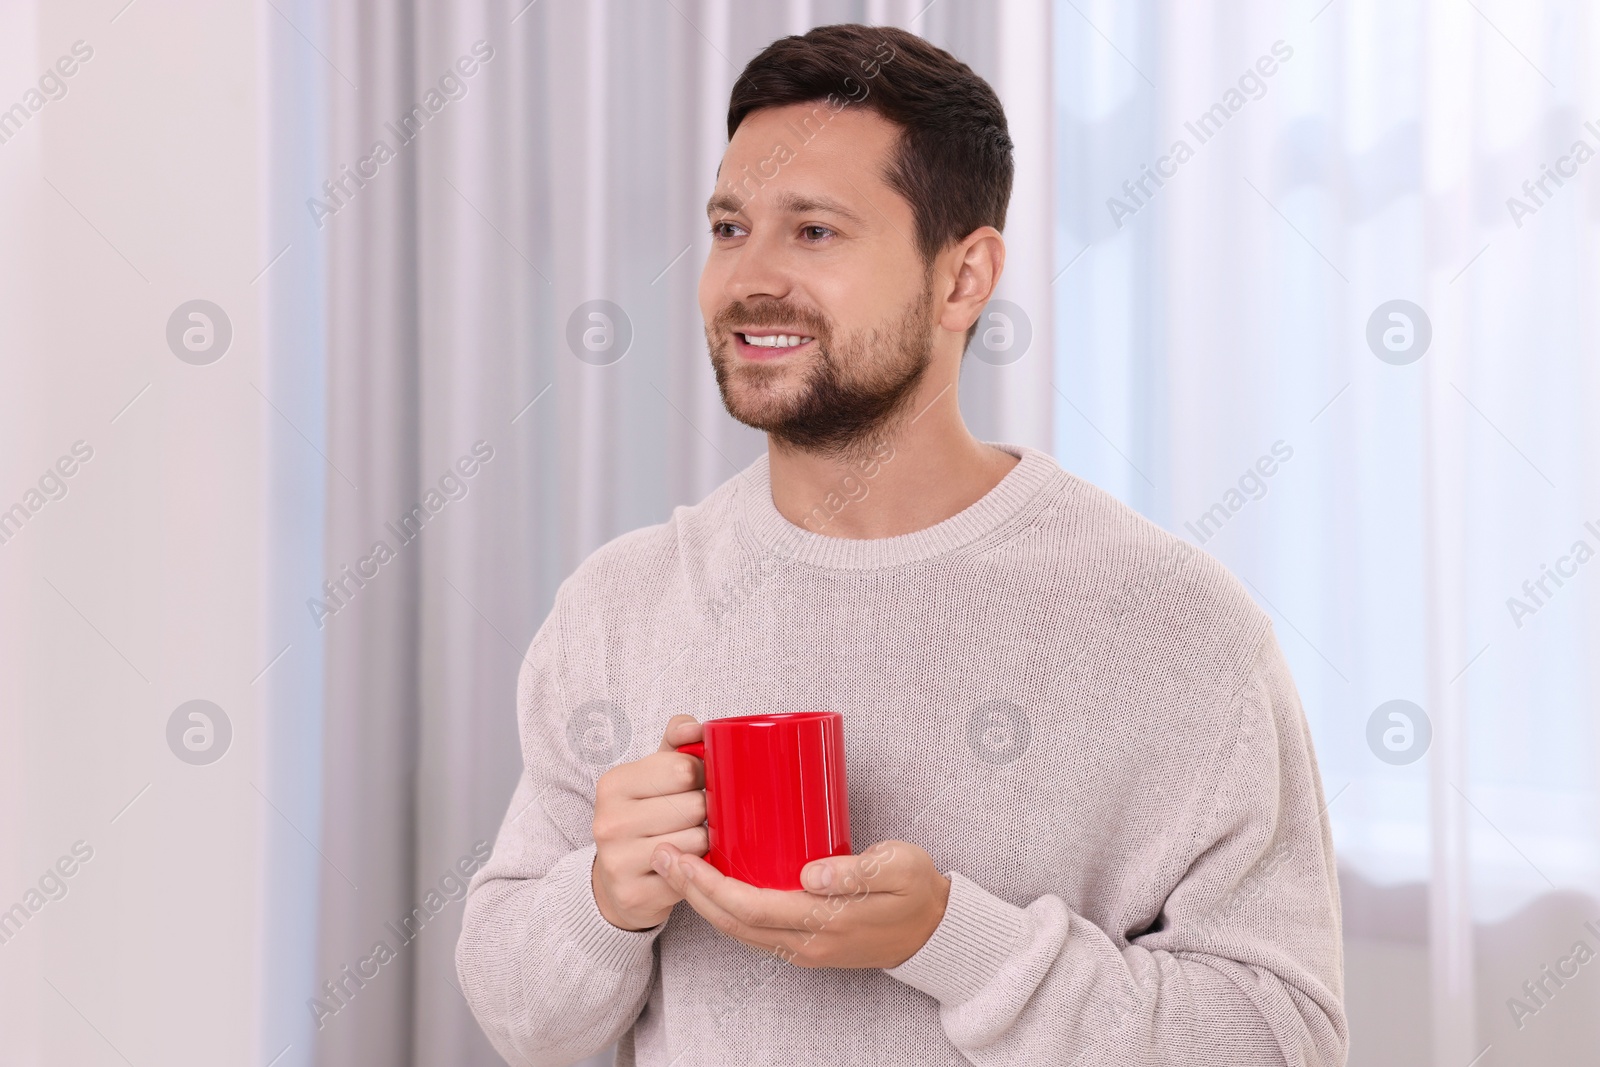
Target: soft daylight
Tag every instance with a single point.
(679, 533)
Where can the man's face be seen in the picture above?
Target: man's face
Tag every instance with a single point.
(818, 306)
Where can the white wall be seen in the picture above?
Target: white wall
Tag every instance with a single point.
(142, 587)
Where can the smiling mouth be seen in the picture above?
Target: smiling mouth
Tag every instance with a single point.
(770, 345)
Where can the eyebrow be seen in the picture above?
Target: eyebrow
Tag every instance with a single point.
(790, 203)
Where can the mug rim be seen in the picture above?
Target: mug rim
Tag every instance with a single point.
(775, 718)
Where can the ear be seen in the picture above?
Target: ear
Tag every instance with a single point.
(973, 267)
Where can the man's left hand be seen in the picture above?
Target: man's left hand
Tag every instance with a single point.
(872, 910)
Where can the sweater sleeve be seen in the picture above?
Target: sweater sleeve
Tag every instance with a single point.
(1243, 966)
(548, 978)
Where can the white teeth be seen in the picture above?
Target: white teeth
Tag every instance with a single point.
(778, 340)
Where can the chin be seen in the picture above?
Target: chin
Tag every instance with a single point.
(761, 396)
(758, 409)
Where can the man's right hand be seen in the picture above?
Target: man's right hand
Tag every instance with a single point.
(638, 806)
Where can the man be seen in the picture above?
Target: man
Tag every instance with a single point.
(1093, 817)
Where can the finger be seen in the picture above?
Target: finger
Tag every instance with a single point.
(653, 816)
(633, 858)
(772, 910)
(662, 774)
(681, 730)
(694, 841)
(664, 860)
(771, 942)
(882, 868)
(779, 941)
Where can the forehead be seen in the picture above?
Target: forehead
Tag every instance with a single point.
(812, 148)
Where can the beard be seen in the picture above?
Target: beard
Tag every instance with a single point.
(852, 394)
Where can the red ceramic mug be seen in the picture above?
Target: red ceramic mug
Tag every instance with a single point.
(775, 794)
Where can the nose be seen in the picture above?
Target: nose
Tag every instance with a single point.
(760, 268)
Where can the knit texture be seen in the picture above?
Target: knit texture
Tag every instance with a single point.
(1085, 721)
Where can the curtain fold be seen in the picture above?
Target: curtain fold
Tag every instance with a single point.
(372, 631)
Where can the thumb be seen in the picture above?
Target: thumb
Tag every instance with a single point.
(681, 730)
(835, 876)
(873, 871)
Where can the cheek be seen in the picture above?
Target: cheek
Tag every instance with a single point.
(871, 294)
(852, 316)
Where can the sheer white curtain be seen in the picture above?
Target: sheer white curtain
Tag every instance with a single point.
(1366, 154)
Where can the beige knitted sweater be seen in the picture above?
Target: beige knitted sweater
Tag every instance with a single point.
(1087, 723)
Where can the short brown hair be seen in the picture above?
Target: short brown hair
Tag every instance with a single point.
(953, 163)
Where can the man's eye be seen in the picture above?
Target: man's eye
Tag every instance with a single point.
(724, 230)
(815, 233)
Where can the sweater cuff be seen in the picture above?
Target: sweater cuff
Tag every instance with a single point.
(576, 921)
(977, 935)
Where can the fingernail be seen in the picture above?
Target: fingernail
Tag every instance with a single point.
(819, 876)
(660, 862)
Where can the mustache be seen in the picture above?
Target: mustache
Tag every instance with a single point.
(772, 315)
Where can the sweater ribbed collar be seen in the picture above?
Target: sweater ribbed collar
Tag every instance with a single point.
(1006, 502)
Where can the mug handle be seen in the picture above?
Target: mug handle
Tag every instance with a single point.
(694, 748)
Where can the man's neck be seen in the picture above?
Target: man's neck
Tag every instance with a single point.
(927, 468)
